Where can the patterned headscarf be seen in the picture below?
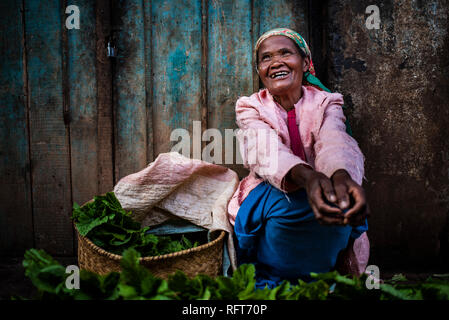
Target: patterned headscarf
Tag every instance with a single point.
(309, 77)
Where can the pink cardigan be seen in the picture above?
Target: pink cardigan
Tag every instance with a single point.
(326, 144)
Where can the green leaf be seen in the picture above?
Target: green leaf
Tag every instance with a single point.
(399, 277)
(44, 272)
(392, 293)
(110, 227)
(86, 225)
(127, 292)
(137, 283)
(435, 290)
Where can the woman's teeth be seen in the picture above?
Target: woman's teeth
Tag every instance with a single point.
(279, 74)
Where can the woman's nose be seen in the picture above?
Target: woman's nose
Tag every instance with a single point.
(276, 63)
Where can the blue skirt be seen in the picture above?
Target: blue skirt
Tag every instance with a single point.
(279, 234)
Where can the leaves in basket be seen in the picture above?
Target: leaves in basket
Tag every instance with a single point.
(110, 227)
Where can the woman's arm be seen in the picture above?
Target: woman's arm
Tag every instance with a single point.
(262, 149)
(339, 157)
(320, 193)
(330, 188)
(334, 148)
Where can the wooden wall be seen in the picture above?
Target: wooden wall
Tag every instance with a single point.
(73, 121)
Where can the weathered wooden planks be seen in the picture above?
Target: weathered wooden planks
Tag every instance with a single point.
(16, 224)
(177, 62)
(176, 65)
(105, 124)
(148, 80)
(268, 15)
(50, 167)
(230, 70)
(282, 13)
(82, 90)
(129, 88)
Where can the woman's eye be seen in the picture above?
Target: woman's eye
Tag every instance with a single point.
(286, 53)
(265, 58)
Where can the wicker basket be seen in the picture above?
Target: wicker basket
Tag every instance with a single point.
(206, 259)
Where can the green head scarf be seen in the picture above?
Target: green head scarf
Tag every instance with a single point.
(309, 77)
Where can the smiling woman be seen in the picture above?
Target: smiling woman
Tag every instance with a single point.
(308, 215)
(281, 66)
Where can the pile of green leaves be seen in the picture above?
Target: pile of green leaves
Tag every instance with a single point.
(135, 282)
(110, 227)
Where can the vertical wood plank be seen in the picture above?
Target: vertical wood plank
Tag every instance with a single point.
(283, 14)
(204, 64)
(16, 233)
(148, 80)
(255, 18)
(280, 14)
(83, 105)
(230, 67)
(176, 64)
(48, 137)
(104, 99)
(129, 88)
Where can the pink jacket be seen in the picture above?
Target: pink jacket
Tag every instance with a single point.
(326, 144)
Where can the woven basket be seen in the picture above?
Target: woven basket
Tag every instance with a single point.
(205, 259)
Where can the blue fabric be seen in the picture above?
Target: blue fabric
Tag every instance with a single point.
(175, 227)
(278, 233)
(183, 226)
(227, 269)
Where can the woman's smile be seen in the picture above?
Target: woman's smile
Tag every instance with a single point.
(279, 75)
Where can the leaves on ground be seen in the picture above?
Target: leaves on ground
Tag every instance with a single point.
(135, 282)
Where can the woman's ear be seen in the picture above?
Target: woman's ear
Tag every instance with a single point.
(306, 64)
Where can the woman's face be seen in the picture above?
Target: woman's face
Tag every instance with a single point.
(280, 65)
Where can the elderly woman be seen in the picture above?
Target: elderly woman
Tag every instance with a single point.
(309, 209)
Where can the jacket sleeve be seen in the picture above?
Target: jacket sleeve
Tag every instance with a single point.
(334, 148)
(261, 147)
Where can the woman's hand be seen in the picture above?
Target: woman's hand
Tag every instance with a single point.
(329, 197)
(319, 189)
(350, 195)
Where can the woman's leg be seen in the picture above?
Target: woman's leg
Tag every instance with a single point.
(278, 232)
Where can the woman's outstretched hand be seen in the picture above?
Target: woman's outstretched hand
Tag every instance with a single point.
(328, 198)
(350, 196)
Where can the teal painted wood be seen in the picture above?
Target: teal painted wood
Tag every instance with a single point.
(148, 80)
(268, 15)
(283, 13)
(48, 134)
(229, 59)
(230, 70)
(159, 84)
(176, 65)
(105, 121)
(83, 105)
(129, 88)
(16, 225)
